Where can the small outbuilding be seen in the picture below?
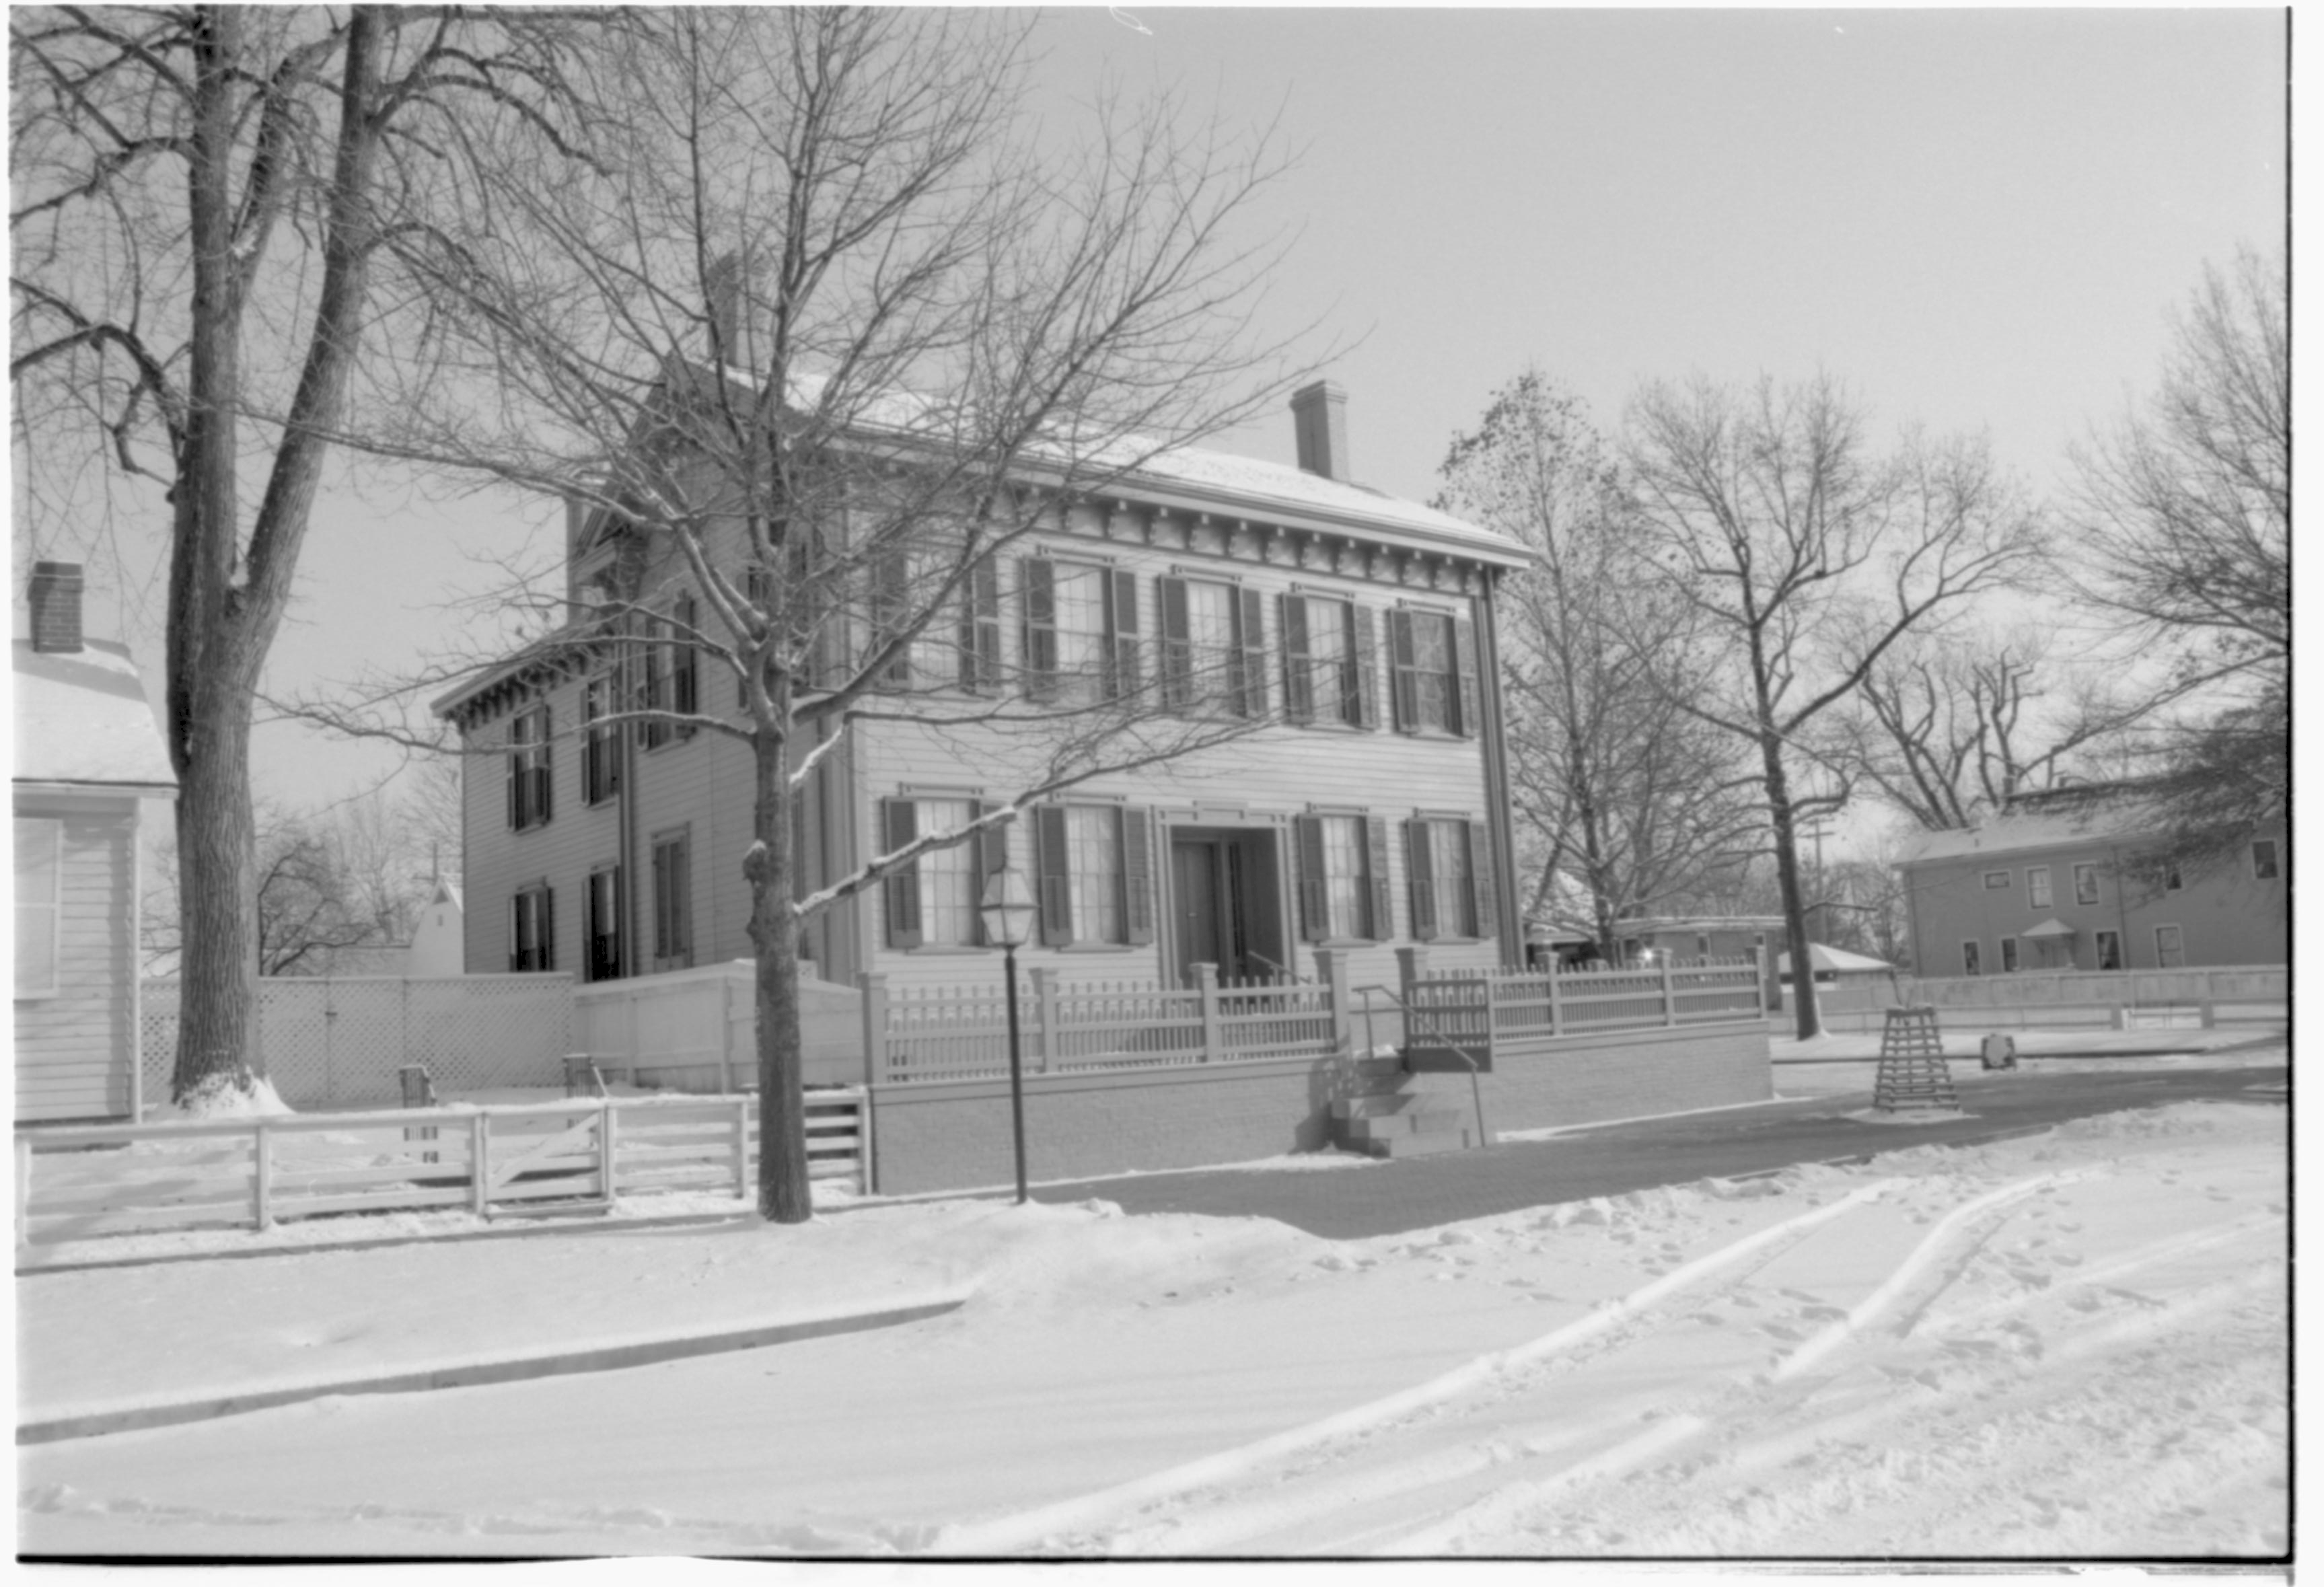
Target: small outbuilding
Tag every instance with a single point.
(89, 753)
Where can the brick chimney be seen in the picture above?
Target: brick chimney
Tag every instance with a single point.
(55, 596)
(1319, 412)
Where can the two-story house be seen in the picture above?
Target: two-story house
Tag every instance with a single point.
(2059, 881)
(1365, 807)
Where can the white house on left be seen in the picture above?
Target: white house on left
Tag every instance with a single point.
(88, 751)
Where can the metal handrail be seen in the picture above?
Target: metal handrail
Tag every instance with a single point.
(1476, 1091)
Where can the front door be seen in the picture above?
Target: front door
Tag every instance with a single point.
(1221, 911)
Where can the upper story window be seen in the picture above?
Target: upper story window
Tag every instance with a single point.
(2037, 887)
(2086, 884)
(1995, 880)
(669, 677)
(1080, 632)
(1330, 660)
(601, 758)
(1434, 658)
(2265, 866)
(533, 919)
(959, 647)
(1212, 648)
(1096, 867)
(1342, 878)
(39, 904)
(1442, 862)
(528, 768)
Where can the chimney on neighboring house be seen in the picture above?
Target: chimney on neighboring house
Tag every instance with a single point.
(55, 597)
(1319, 412)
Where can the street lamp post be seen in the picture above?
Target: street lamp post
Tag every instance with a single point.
(1007, 909)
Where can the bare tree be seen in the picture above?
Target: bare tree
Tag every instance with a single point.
(822, 338)
(202, 200)
(2184, 519)
(1808, 557)
(1619, 792)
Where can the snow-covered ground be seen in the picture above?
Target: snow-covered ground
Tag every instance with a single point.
(2059, 1346)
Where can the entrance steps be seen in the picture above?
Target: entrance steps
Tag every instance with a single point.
(1395, 1114)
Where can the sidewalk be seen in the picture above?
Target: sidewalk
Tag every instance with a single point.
(1840, 1046)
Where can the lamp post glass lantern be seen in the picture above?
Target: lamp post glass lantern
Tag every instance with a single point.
(1008, 913)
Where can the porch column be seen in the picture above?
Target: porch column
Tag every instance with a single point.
(1214, 1036)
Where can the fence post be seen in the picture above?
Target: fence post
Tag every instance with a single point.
(263, 1173)
(743, 1146)
(1670, 994)
(1214, 1036)
(1556, 1005)
(874, 988)
(1049, 1039)
(1332, 965)
(605, 1147)
(480, 1166)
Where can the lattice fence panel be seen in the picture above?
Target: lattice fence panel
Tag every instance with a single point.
(340, 1042)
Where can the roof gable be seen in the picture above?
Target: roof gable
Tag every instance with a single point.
(82, 718)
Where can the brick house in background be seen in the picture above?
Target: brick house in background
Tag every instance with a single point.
(1368, 808)
(89, 754)
(2056, 882)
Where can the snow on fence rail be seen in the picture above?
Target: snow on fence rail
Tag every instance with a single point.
(77, 1182)
(339, 1041)
(925, 1035)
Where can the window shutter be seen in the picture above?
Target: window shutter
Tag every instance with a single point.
(1298, 678)
(1251, 693)
(991, 847)
(1420, 878)
(1404, 691)
(516, 932)
(1177, 647)
(1055, 893)
(889, 576)
(1465, 662)
(1363, 685)
(899, 825)
(1481, 881)
(1383, 904)
(540, 770)
(1138, 874)
(1040, 626)
(684, 665)
(980, 642)
(1122, 680)
(1314, 898)
(548, 896)
(515, 781)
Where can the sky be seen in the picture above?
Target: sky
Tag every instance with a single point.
(1979, 219)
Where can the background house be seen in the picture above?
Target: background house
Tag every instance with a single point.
(88, 752)
(2057, 882)
(1365, 807)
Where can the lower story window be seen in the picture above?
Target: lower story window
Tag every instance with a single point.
(2110, 948)
(1097, 874)
(602, 926)
(1343, 878)
(1969, 959)
(2008, 955)
(1441, 861)
(948, 883)
(532, 930)
(2170, 948)
(673, 913)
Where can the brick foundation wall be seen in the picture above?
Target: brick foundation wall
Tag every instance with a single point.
(956, 1137)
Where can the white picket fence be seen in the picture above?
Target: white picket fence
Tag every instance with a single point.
(82, 1182)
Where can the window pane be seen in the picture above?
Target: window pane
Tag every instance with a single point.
(1344, 875)
(948, 896)
(1327, 652)
(1448, 859)
(1432, 657)
(1093, 873)
(2086, 884)
(2037, 887)
(1081, 620)
(1210, 630)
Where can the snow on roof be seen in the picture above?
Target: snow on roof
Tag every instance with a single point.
(82, 718)
(2052, 927)
(1837, 960)
(2086, 821)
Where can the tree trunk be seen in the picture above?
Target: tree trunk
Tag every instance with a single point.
(1788, 879)
(784, 1194)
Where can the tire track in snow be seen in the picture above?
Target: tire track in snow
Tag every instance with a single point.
(1022, 1532)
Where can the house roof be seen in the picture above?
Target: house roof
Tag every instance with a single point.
(2052, 927)
(82, 718)
(1839, 961)
(2092, 821)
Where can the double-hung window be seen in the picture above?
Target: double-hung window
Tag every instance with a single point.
(2086, 884)
(1080, 632)
(1342, 878)
(1434, 658)
(1213, 650)
(673, 893)
(2037, 887)
(669, 679)
(39, 904)
(528, 768)
(532, 917)
(1446, 868)
(601, 756)
(1330, 658)
(1970, 965)
(933, 901)
(2170, 948)
(601, 924)
(2010, 955)
(1096, 867)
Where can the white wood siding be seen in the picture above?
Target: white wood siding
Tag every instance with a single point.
(76, 1049)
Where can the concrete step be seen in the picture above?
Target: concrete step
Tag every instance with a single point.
(1413, 1146)
(1399, 1126)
